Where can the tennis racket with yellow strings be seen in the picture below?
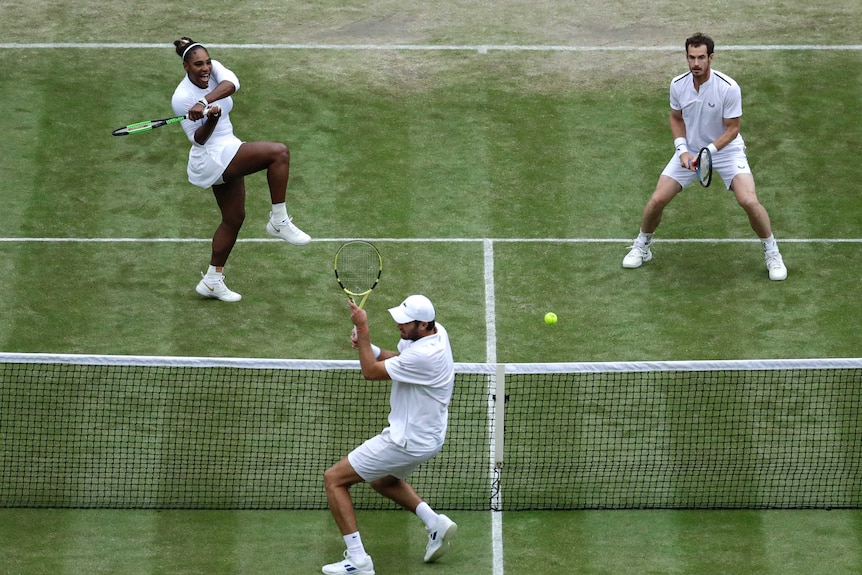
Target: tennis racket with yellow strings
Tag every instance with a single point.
(358, 267)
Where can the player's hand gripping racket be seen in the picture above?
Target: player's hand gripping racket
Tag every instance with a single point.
(140, 127)
(703, 167)
(358, 266)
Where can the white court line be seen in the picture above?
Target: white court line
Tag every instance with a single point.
(491, 357)
(490, 303)
(490, 309)
(480, 48)
(496, 517)
(445, 240)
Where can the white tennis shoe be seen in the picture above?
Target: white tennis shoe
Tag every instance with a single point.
(216, 289)
(636, 256)
(287, 231)
(440, 538)
(350, 567)
(775, 265)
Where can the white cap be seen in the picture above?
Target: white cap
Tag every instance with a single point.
(414, 308)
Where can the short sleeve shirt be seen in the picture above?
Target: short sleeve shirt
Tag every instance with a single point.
(423, 377)
(704, 111)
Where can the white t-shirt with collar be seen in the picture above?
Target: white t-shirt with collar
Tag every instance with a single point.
(423, 377)
(704, 111)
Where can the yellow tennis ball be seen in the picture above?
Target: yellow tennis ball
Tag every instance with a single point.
(550, 318)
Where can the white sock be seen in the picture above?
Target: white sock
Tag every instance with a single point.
(213, 274)
(769, 243)
(427, 515)
(279, 212)
(643, 239)
(355, 547)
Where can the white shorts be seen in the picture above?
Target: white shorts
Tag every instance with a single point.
(379, 457)
(208, 163)
(727, 163)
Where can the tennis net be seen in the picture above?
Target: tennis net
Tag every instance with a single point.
(208, 433)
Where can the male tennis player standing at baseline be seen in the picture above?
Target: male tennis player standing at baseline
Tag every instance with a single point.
(221, 160)
(706, 106)
(423, 376)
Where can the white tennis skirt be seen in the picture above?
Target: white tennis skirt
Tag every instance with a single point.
(208, 163)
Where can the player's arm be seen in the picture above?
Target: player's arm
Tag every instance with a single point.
(225, 79)
(203, 133)
(731, 131)
(224, 89)
(370, 359)
(677, 130)
(373, 368)
(227, 84)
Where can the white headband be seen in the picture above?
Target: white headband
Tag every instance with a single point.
(189, 47)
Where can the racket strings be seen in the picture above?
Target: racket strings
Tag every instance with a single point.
(704, 167)
(358, 267)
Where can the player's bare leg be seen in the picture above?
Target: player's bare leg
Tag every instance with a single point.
(337, 480)
(230, 198)
(440, 528)
(665, 190)
(398, 491)
(743, 188)
(274, 157)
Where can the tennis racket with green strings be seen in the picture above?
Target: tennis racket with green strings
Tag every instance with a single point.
(358, 267)
(141, 127)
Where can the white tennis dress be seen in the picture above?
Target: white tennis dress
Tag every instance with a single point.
(208, 162)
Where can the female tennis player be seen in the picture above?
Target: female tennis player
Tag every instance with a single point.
(219, 159)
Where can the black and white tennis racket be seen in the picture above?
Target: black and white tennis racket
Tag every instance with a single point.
(358, 266)
(140, 127)
(703, 167)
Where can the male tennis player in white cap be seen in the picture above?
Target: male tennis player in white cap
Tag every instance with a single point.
(423, 376)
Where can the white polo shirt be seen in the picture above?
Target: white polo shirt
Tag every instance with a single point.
(704, 111)
(423, 377)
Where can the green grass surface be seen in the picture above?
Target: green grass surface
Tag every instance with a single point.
(470, 155)
(430, 145)
(661, 542)
(214, 542)
(588, 542)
